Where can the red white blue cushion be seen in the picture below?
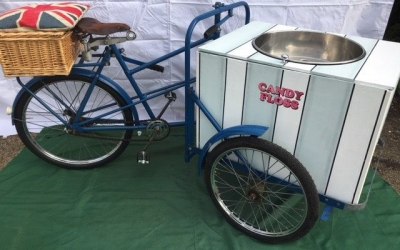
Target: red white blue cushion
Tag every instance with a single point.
(57, 16)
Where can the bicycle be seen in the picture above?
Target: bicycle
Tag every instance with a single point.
(85, 120)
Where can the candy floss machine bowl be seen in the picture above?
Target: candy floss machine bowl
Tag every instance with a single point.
(324, 97)
(309, 47)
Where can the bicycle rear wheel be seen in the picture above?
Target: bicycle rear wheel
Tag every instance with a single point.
(50, 134)
(261, 189)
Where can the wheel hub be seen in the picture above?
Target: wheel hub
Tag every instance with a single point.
(255, 193)
(253, 196)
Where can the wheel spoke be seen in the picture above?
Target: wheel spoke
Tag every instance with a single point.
(259, 192)
(55, 140)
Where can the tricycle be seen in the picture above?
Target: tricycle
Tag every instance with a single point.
(85, 119)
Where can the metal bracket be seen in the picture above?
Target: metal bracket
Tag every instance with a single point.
(170, 96)
(94, 43)
(218, 5)
(285, 58)
(130, 35)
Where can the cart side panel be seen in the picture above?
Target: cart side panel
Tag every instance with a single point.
(324, 113)
(211, 91)
(355, 142)
(288, 118)
(256, 110)
(377, 132)
(234, 92)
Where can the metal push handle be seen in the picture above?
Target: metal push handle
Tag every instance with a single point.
(213, 33)
(219, 9)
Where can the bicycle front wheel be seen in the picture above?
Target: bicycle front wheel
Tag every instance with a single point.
(261, 189)
(46, 126)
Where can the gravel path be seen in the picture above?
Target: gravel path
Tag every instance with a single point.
(9, 148)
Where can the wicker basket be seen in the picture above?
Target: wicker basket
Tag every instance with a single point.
(38, 53)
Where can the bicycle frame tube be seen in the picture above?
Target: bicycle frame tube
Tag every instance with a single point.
(144, 97)
(189, 92)
(140, 98)
(162, 58)
(104, 60)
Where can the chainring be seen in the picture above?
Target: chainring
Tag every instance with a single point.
(157, 130)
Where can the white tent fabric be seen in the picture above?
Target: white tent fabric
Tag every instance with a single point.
(161, 25)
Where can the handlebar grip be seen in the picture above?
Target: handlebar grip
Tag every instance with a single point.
(157, 67)
(215, 29)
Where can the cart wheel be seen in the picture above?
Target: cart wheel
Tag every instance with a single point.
(46, 133)
(261, 189)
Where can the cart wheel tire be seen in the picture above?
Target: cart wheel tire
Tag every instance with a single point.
(261, 189)
(46, 135)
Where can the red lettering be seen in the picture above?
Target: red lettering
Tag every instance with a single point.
(289, 93)
(280, 91)
(295, 105)
(288, 98)
(263, 96)
(269, 99)
(278, 101)
(262, 86)
(271, 89)
(298, 95)
(287, 103)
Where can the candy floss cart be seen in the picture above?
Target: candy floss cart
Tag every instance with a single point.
(329, 116)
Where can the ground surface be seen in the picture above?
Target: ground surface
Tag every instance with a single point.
(387, 158)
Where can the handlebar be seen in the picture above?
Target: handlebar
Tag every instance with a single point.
(213, 31)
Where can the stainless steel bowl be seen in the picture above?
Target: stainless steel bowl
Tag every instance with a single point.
(309, 47)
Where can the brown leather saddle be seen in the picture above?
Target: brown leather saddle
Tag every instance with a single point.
(93, 26)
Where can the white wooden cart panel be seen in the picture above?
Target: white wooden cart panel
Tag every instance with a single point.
(328, 116)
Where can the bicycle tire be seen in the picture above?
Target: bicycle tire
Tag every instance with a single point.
(46, 136)
(261, 189)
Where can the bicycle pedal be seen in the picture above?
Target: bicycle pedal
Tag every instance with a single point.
(143, 157)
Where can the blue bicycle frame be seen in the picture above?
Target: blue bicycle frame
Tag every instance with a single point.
(142, 98)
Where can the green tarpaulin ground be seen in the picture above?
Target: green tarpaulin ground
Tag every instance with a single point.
(160, 206)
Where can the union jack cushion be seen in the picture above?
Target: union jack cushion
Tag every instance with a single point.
(57, 16)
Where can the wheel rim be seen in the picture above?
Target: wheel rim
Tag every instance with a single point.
(258, 192)
(55, 139)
